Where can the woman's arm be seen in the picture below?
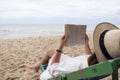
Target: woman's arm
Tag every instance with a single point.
(87, 47)
(57, 55)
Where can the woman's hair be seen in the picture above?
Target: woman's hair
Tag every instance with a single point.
(92, 59)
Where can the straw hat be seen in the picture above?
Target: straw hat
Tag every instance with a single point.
(106, 39)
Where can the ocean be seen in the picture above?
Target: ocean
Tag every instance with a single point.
(8, 31)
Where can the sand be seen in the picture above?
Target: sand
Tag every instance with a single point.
(16, 53)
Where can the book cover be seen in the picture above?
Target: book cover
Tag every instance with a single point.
(76, 34)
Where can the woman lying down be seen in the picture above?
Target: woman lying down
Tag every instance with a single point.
(59, 63)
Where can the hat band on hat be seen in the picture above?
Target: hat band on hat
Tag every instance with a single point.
(102, 45)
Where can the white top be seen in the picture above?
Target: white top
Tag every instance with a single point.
(66, 65)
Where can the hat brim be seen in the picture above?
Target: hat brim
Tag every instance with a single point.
(100, 28)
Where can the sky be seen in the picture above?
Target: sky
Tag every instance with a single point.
(59, 11)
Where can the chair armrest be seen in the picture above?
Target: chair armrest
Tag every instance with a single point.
(100, 69)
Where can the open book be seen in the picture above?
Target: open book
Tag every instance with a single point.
(76, 34)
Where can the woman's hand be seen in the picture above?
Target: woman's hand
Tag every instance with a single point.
(63, 41)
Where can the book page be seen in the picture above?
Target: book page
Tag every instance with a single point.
(76, 34)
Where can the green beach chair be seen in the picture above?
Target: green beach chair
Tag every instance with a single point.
(96, 71)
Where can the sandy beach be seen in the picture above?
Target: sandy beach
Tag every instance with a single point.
(16, 53)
